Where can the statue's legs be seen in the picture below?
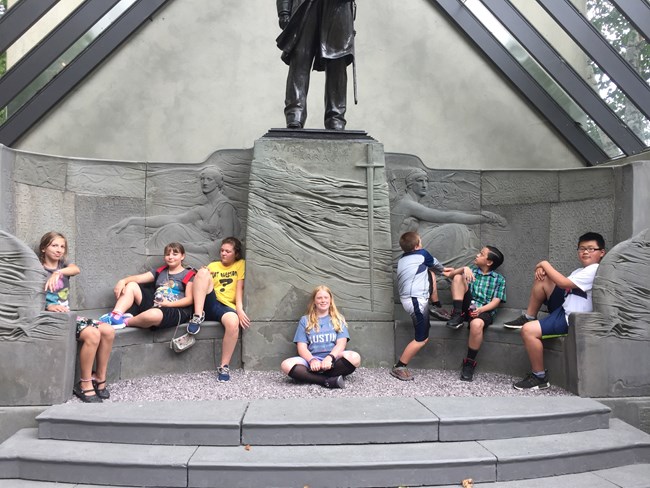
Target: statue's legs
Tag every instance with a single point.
(336, 84)
(302, 56)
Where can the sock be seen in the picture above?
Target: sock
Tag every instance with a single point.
(341, 367)
(437, 304)
(530, 317)
(400, 364)
(458, 305)
(471, 354)
(126, 322)
(540, 374)
(116, 314)
(300, 373)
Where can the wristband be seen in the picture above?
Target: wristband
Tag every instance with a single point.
(332, 356)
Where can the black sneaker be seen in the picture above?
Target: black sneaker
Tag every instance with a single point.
(456, 320)
(439, 313)
(335, 382)
(517, 323)
(467, 373)
(532, 382)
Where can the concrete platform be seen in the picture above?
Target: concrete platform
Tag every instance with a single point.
(293, 422)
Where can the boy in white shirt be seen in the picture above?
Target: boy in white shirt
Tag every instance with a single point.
(564, 295)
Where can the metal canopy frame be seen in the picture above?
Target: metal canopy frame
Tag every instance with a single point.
(589, 39)
(522, 80)
(19, 18)
(637, 13)
(91, 57)
(51, 47)
(572, 83)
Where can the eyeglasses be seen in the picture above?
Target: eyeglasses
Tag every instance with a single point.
(589, 249)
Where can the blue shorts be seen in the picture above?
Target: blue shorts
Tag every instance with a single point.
(556, 299)
(214, 309)
(555, 324)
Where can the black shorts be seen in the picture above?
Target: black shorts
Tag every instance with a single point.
(172, 316)
(486, 317)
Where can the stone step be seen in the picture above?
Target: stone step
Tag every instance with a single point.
(348, 420)
(630, 476)
(24, 456)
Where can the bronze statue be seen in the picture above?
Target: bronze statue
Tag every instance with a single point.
(318, 33)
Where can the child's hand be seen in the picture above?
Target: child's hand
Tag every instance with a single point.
(540, 274)
(315, 364)
(474, 313)
(469, 275)
(57, 308)
(53, 281)
(244, 321)
(119, 288)
(447, 271)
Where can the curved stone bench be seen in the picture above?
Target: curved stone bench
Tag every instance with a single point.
(502, 350)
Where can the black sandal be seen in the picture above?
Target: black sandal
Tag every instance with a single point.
(81, 394)
(104, 394)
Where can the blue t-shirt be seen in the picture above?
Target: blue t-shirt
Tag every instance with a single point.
(322, 342)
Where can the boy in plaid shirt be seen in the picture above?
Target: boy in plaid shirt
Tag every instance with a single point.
(481, 284)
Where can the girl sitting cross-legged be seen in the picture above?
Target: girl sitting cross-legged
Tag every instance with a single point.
(321, 338)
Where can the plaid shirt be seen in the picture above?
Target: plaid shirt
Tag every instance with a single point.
(486, 287)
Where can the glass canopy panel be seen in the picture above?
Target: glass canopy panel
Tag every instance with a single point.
(521, 55)
(67, 57)
(586, 67)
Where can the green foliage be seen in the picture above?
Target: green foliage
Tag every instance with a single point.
(616, 29)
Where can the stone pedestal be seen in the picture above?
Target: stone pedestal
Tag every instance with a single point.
(318, 213)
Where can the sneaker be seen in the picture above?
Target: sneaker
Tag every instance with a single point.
(467, 372)
(335, 382)
(194, 326)
(439, 313)
(223, 373)
(532, 382)
(401, 373)
(116, 321)
(456, 321)
(517, 323)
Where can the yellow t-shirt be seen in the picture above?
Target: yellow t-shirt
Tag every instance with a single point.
(225, 280)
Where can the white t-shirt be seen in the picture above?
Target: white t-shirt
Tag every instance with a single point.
(583, 278)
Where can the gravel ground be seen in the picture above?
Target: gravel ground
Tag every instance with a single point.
(365, 382)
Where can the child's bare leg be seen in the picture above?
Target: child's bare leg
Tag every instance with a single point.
(89, 338)
(539, 293)
(230, 323)
(107, 335)
(458, 287)
(475, 340)
(203, 285)
(131, 294)
(531, 334)
(146, 319)
(411, 349)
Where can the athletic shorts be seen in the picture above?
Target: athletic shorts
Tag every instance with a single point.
(214, 309)
(172, 316)
(555, 324)
(303, 361)
(418, 309)
(486, 317)
(556, 300)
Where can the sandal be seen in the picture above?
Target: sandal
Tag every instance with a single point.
(104, 394)
(81, 394)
